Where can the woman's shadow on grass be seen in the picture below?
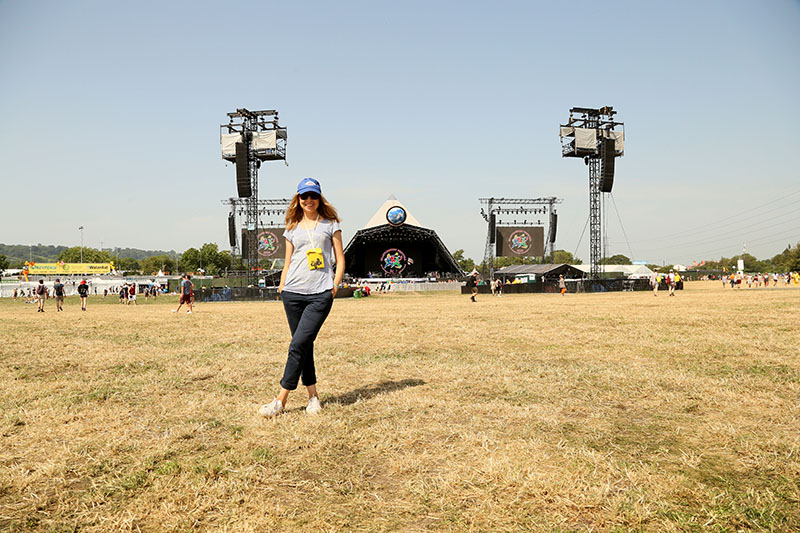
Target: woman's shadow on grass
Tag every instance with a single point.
(366, 392)
(370, 391)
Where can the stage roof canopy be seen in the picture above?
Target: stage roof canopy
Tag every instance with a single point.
(379, 218)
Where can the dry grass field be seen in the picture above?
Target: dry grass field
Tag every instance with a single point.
(604, 412)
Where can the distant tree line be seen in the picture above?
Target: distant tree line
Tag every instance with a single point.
(208, 258)
(17, 254)
(212, 261)
(558, 257)
(786, 261)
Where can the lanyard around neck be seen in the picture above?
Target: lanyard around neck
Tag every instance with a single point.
(311, 239)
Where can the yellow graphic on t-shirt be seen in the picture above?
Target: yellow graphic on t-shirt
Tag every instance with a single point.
(315, 259)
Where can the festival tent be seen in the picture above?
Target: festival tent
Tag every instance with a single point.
(626, 271)
(393, 244)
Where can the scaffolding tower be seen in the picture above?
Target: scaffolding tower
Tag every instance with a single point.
(593, 136)
(522, 207)
(248, 139)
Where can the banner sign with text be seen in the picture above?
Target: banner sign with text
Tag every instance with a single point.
(70, 268)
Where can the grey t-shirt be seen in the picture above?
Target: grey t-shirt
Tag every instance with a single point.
(300, 278)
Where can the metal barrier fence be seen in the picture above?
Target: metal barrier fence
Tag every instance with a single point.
(574, 286)
(230, 294)
(419, 287)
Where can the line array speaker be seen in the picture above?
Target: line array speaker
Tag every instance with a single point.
(607, 153)
(242, 171)
(492, 226)
(231, 229)
(553, 227)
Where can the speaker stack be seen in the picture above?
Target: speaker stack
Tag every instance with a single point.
(607, 153)
(231, 230)
(242, 171)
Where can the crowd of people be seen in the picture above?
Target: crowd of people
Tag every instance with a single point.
(127, 292)
(760, 279)
(42, 292)
(671, 279)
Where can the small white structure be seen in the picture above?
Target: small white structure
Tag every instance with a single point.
(629, 271)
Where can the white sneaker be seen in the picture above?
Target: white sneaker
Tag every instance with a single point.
(313, 407)
(188, 312)
(174, 310)
(271, 409)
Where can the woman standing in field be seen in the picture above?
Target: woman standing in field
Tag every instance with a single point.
(307, 287)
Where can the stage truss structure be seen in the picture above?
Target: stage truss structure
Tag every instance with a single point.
(248, 139)
(594, 136)
(492, 208)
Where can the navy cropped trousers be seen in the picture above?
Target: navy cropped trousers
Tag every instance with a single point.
(306, 313)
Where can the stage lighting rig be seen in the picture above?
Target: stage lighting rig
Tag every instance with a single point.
(248, 139)
(273, 209)
(598, 139)
(491, 208)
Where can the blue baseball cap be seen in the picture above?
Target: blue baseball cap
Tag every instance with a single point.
(308, 185)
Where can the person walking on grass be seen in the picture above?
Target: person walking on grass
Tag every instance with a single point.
(472, 284)
(671, 282)
(307, 287)
(186, 294)
(41, 294)
(58, 293)
(132, 293)
(654, 282)
(562, 285)
(83, 292)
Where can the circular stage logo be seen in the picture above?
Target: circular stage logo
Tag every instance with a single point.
(267, 244)
(519, 242)
(396, 215)
(393, 261)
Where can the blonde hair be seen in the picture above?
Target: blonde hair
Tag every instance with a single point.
(294, 213)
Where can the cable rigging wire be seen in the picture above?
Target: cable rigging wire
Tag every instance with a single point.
(575, 255)
(614, 202)
(711, 226)
(735, 233)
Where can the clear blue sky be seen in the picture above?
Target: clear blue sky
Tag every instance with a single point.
(110, 113)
